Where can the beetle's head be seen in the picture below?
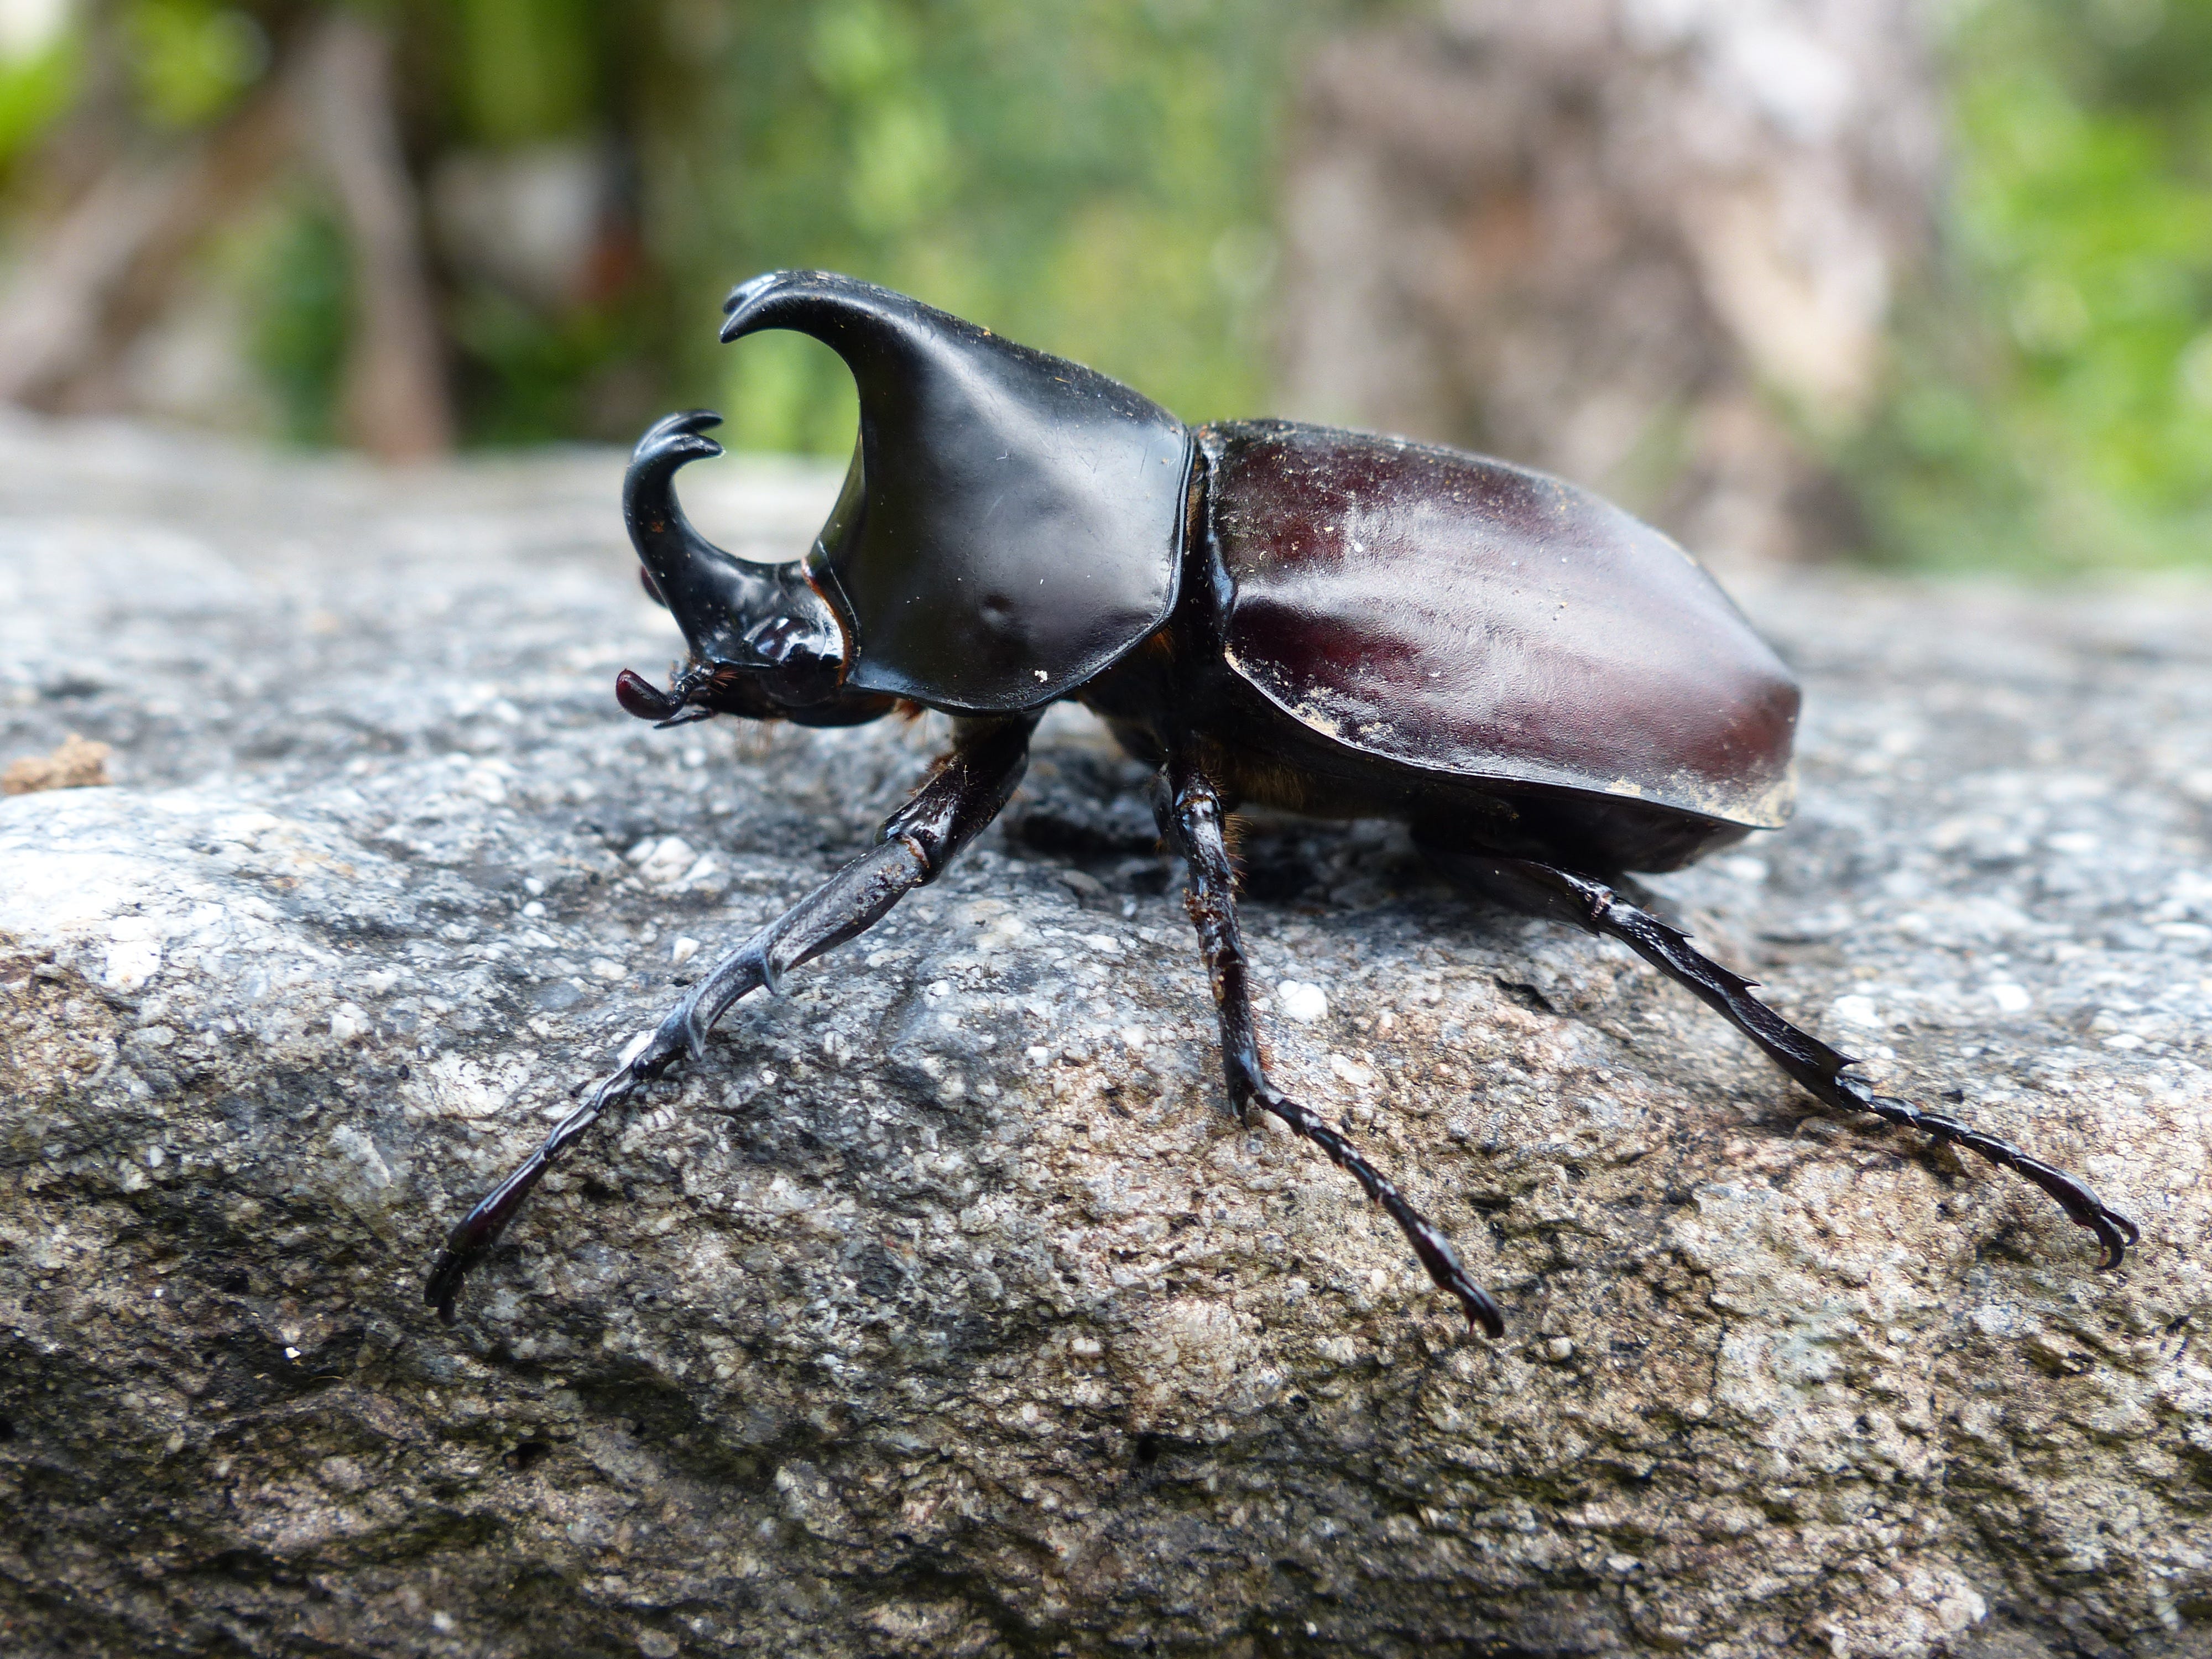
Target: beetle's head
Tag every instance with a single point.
(763, 645)
(1011, 524)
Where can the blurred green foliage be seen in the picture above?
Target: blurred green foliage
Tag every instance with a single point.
(523, 69)
(41, 67)
(305, 280)
(189, 58)
(2054, 403)
(1093, 177)
(1097, 177)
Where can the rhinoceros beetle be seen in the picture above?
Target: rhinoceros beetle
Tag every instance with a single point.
(1547, 692)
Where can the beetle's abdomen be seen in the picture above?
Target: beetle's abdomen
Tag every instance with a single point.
(1463, 616)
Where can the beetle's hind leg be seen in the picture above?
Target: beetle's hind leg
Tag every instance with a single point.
(1543, 890)
(1192, 819)
(913, 847)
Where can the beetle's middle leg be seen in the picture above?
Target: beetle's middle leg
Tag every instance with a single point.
(916, 843)
(1543, 890)
(1192, 821)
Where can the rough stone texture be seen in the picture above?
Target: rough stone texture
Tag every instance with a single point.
(944, 1310)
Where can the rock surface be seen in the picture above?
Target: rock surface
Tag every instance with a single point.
(944, 1310)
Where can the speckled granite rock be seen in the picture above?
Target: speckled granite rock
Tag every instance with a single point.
(945, 1311)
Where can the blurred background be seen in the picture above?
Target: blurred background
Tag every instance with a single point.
(1918, 283)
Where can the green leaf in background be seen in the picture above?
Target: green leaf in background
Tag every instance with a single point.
(2069, 425)
(304, 275)
(189, 58)
(525, 67)
(1094, 179)
(39, 60)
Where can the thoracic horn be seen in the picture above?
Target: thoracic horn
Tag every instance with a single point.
(1012, 521)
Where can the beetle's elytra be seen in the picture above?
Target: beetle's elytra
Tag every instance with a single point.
(1548, 693)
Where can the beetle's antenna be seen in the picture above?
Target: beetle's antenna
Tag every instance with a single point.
(640, 697)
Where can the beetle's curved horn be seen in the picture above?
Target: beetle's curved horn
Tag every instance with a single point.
(1012, 522)
(706, 589)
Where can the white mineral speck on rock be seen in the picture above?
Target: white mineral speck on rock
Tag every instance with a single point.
(606, 969)
(1301, 1002)
(683, 950)
(665, 861)
(455, 1085)
(347, 1023)
(2009, 999)
(1856, 1011)
(134, 953)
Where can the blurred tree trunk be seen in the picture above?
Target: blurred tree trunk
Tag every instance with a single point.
(394, 401)
(107, 263)
(1649, 246)
(130, 207)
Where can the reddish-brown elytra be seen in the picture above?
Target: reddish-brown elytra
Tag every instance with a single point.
(1550, 694)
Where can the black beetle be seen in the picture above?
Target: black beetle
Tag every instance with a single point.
(1547, 691)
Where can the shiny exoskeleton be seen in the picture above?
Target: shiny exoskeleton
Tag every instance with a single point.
(1548, 693)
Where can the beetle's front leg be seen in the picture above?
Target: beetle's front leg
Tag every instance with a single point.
(916, 844)
(1543, 890)
(1192, 820)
